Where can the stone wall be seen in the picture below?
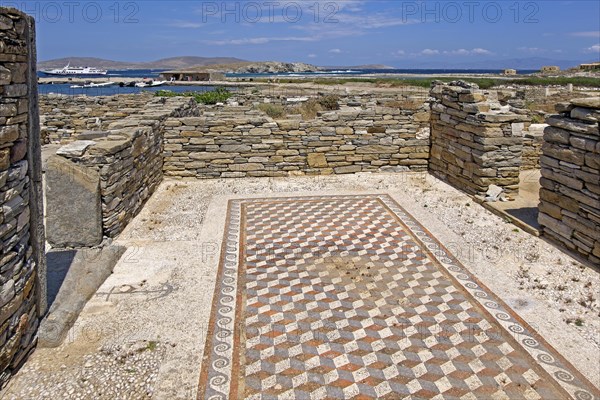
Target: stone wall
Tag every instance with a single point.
(365, 135)
(128, 159)
(475, 141)
(65, 118)
(22, 296)
(533, 138)
(570, 194)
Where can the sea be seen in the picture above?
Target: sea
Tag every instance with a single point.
(114, 75)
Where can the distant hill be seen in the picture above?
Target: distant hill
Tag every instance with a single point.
(228, 63)
(165, 63)
(256, 67)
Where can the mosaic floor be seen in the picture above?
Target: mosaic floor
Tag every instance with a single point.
(348, 297)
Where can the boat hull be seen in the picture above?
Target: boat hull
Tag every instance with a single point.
(73, 73)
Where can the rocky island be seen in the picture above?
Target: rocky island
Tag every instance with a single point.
(271, 67)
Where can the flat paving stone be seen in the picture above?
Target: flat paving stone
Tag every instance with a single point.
(349, 296)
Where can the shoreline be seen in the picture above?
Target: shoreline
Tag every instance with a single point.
(267, 79)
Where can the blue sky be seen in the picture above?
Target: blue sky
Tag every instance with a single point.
(323, 32)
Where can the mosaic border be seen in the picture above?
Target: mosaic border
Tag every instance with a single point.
(219, 356)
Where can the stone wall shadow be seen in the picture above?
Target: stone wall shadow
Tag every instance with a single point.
(58, 264)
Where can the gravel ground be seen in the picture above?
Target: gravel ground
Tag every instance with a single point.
(536, 266)
(172, 223)
(111, 373)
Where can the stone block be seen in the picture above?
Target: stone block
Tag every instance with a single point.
(246, 167)
(74, 213)
(471, 97)
(497, 117)
(16, 90)
(475, 108)
(9, 133)
(421, 116)
(588, 102)
(8, 110)
(235, 148)
(573, 125)
(75, 149)
(349, 169)
(585, 114)
(344, 130)
(4, 159)
(377, 149)
(592, 160)
(563, 153)
(139, 145)
(555, 226)
(317, 160)
(556, 135)
(5, 76)
(287, 125)
(260, 131)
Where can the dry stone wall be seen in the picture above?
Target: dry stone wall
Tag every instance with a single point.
(234, 141)
(22, 297)
(533, 138)
(570, 194)
(475, 141)
(128, 159)
(65, 119)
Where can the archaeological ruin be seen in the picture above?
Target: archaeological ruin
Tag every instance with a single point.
(22, 278)
(106, 158)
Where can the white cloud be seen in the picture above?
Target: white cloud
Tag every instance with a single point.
(531, 50)
(429, 52)
(481, 51)
(594, 49)
(312, 55)
(464, 52)
(459, 52)
(373, 21)
(335, 51)
(592, 34)
(434, 52)
(329, 6)
(277, 12)
(185, 24)
(261, 40)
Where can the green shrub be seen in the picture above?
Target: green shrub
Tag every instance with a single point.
(166, 93)
(219, 95)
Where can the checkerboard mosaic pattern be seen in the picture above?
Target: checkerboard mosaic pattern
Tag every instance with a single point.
(349, 297)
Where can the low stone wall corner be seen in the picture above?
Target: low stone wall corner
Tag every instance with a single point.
(127, 160)
(570, 166)
(475, 141)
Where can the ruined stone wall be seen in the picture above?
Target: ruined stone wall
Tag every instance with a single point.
(475, 141)
(64, 119)
(533, 138)
(129, 159)
(236, 141)
(570, 194)
(22, 298)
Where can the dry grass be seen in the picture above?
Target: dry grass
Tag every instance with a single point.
(309, 109)
(272, 110)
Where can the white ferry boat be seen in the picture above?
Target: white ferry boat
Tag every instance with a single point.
(68, 70)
